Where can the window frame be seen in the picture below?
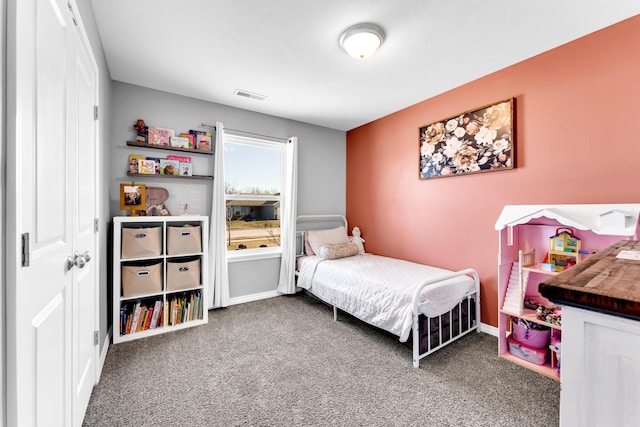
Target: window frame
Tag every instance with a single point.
(256, 253)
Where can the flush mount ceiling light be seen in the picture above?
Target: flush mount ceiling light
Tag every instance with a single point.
(362, 40)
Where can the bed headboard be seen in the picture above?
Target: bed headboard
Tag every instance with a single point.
(316, 222)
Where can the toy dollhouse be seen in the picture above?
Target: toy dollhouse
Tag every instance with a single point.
(571, 233)
(564, 249)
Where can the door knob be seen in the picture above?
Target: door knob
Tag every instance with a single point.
(78, 260)
(70, 263)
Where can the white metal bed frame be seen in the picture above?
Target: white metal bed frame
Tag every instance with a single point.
(472, 323)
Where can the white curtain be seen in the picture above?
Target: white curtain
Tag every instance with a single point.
(217, 234)
(288, 212)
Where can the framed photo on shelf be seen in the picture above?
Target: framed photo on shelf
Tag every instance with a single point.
(133, 197)
(480, 140)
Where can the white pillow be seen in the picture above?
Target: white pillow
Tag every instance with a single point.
(320, 238)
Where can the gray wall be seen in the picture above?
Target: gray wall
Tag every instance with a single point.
(321, 163)
(104, 158)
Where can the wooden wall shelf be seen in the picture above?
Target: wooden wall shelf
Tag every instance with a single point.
(163, 147)
(151, 175)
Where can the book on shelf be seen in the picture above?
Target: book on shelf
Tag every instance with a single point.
(179, 141)
(169, 167)
(146, 166)
(123, 319)
(133, 162)
(156, 314)
(147, 319)
(203, 142)
(135, 319)
(157, 166)
(191, 137)
(143, 314)
(160, 136)
(127, 329)
(185, 169)
(181, 159)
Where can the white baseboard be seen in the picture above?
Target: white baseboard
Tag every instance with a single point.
(253, 297)
(488, 329)
(103, 354)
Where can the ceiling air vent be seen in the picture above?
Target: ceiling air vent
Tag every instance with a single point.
(247, 94)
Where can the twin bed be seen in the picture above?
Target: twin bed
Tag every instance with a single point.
(431, 305)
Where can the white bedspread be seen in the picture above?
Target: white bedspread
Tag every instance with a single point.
(378, 290)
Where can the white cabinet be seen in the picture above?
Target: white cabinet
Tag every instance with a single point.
(160, 272)
(601, 337)
(600, 370)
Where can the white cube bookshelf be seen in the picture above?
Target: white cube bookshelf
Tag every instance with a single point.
(153, 304)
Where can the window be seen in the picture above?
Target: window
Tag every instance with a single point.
(253, 178)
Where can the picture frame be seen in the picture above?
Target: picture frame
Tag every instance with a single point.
(133, 197)
(479, 140)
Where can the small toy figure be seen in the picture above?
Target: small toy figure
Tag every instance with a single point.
(359, 241)
(142, 130)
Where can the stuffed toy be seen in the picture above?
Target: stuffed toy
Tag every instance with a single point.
(142, 130)
(359, 241)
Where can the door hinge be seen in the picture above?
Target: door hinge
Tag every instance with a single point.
(96, 225)
(73, 15)
(96, 337)
(95, 112)
(25, 249)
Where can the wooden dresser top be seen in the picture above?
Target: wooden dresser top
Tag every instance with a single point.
(602, 282)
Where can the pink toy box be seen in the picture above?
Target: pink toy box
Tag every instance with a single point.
(523, 351)
(534, 338)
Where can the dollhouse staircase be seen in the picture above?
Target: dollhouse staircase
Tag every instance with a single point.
(514, 298)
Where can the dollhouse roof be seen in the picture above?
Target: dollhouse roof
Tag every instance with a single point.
(609, 219)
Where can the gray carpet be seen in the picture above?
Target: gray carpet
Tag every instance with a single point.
(284, 362)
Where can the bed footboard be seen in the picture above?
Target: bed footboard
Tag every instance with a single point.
(432, 333)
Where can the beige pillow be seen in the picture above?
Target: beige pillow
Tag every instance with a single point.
(341, 250)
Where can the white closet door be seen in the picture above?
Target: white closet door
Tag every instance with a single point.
(82, 131)
(48, 365)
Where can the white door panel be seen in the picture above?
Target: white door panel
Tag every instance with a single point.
(83, 123)
(48, 328)
(50, 308)
(40, 341)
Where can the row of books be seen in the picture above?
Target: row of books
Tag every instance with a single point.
(196, 139)
(153, 313)
(140, 316)
(184, 308)
(172, 165)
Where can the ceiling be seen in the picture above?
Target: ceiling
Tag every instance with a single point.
(288, 50)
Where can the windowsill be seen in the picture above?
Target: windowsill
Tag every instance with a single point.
(253, 254)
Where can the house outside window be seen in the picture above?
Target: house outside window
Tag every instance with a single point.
(253, 176)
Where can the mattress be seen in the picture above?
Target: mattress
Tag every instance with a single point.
(379, 290)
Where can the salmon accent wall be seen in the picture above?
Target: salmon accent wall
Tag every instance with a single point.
(577, 121)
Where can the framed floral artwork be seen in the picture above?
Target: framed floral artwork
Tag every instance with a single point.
(481, 140)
